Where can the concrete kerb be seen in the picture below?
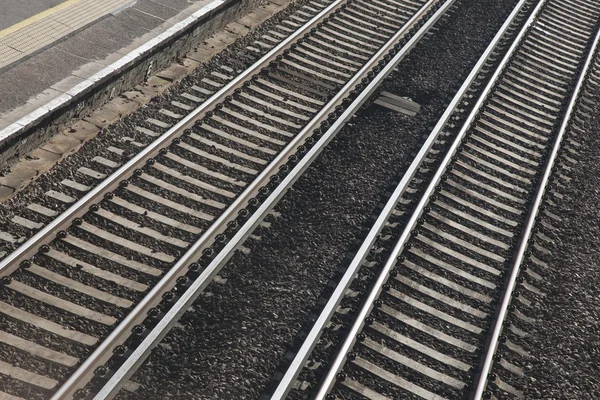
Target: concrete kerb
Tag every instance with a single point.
(38, 126)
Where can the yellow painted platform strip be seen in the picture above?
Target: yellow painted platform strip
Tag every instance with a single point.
(51, 25)
(37, 17)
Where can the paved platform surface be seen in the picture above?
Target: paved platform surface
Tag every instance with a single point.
(57, 44)
(17, 176)
(14, 11)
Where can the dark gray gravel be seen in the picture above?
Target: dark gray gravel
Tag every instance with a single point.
(111, 136)
(563, 341)
(232, 340)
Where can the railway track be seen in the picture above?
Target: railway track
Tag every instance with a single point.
(141, 129)
(429, 306)
(99, 285)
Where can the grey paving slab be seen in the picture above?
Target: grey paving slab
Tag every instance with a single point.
(156, 10)
(121, 27)
(58, 60)
(89, 69)
(15, 11)
(66, 84)
(136, 17)
(179, 5)
(20, 84)
(86, 50)
(41, 99)
(104, 36)
(34, 76)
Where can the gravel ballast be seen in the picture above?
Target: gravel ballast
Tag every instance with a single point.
(563, 341)
(230, 343)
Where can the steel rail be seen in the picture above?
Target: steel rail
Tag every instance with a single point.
(104, 351)
(48, 233)
(297, 364)
(510, 286)
(340, 359)
(120, 377)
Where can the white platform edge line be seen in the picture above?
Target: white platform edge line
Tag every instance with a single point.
(108, 71)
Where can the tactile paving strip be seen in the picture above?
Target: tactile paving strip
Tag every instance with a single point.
(54, 26)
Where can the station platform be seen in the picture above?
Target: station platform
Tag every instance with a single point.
(49, 47)
(111, 61)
